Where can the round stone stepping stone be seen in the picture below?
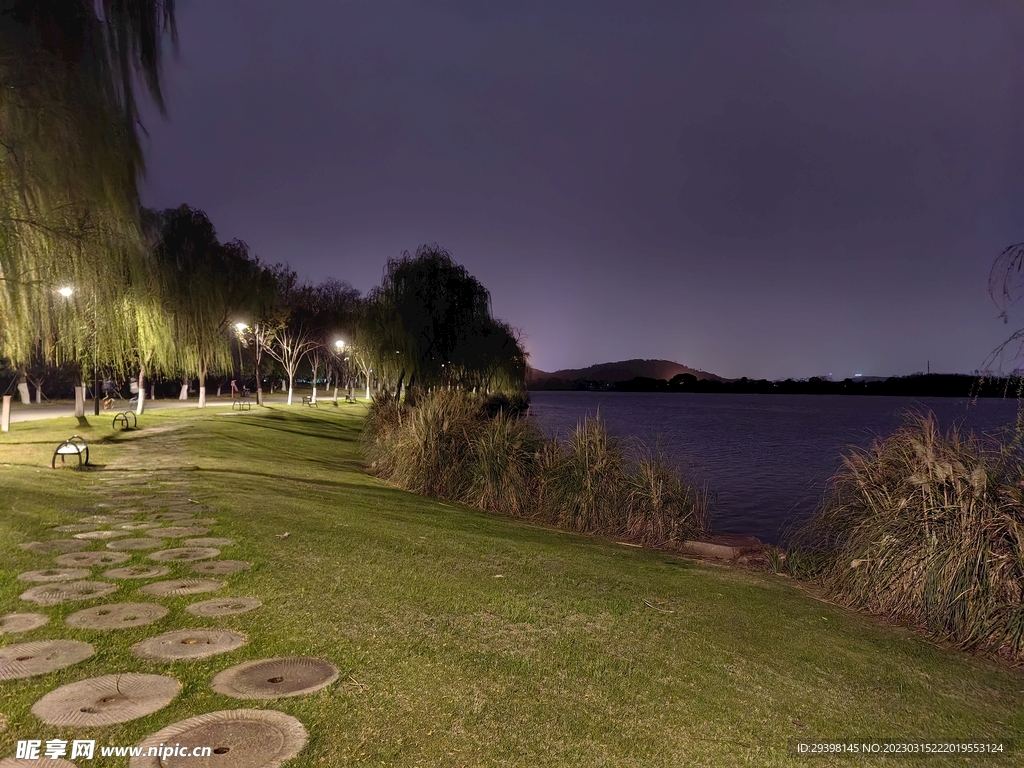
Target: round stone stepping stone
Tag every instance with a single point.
(176, 532)
(103, 519)
(101, 535)
(55, 574)
(135, 544)
(224, 606)
(75, 527)
(55, 545)
(106, 700)
(181, 587)
(91, 558)
(42, 762)
(241, 738)
(116, 616)
(188, 644)
(68, 591)
(184, 554)
(136, 526)
(220, 567)
(30, 659)
(14, 623)
(210, 541)
(275, 678)
(137, 572)
(165, 517)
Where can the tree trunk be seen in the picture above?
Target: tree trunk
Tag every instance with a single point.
(259, 385)
(291, 386)
(202, 387)
(141, 405)
(23, 393)
(184, 390)
(398, 389)
(39, 393)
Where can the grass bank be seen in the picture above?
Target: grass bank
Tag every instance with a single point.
(466, 639)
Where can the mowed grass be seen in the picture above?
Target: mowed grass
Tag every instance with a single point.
(467, 639)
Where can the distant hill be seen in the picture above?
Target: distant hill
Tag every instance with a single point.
(610, 373)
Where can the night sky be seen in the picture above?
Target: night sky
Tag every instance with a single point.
(799, 190)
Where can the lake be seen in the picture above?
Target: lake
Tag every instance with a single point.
(765, 458)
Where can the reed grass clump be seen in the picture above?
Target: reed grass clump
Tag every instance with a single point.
(927, 528)
(461, 447)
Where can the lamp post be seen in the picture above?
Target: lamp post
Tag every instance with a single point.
(240, 328)
(339, 345)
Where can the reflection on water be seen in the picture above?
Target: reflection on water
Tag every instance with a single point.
(765, 458)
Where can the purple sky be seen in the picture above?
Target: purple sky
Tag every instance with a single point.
(808, 189)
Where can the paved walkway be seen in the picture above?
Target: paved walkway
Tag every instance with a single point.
(59, 410)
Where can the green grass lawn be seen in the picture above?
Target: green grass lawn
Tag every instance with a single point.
(464, 639)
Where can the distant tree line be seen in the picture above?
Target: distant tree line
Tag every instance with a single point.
(917, 385)
(91, 280)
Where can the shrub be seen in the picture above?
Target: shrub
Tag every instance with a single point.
(584, 482)
(504, 466)
(456, 446)
(432, 446)
(661, 508)
(927, 528)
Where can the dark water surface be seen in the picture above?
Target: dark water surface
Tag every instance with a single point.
(765, 458)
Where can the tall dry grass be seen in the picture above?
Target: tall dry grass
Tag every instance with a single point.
(928, 528)
(461, 447)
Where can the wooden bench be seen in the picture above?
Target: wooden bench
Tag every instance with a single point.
(126, 420)
(73, 446)
(308, 400)
(242, 403)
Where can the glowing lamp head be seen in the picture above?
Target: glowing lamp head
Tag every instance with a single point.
(339, 344)
(240, 327)
(66, 291)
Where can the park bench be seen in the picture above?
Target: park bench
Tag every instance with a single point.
(73, 446)
(308, 400)
(242, 403)
(126, 419)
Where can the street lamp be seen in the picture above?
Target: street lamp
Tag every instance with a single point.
(240, 329)
(66, 292)
(339, 345)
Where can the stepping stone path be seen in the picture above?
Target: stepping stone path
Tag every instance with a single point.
(55, 574)
(30, 659)
(57, 545)
(138, 572)
(116, 616)
(188, 644)
(106, 700)
(181, 587)
(241, 738)
(14, 623)
(161, 509)
(91, 558)
(68, 591)
(224, 606)
(275, 678)
(184, 554)
(135, 544)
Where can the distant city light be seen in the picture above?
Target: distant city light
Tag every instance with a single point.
(857, 374)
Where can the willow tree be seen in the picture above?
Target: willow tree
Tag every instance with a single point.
(428, 306)
(202, 286)
(70, 162)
